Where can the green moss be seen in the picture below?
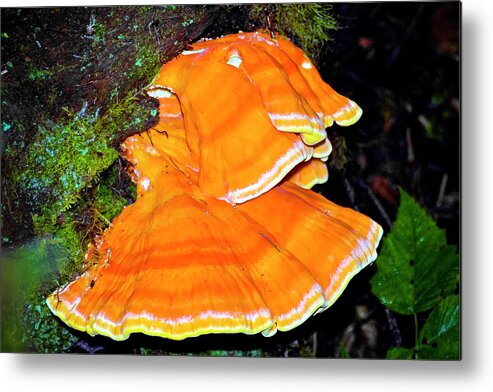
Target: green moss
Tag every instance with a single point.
(5, 126)
(339, 156)
(309, 24)
(63, 160)
(187, 22)
(68, 157)
(107, 202)
(39, 74)
(146, 64)
(64, 233)
(99, 33)
(45, 334)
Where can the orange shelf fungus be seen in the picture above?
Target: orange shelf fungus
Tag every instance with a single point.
(225, 235)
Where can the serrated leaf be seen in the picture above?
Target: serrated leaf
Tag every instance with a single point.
(442, 351)
(440, 335)
(400, 353)
(416, 268)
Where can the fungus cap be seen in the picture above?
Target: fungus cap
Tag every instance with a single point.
(269, 88)
(225, 235)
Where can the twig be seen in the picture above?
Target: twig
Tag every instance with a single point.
(350, 193)
(314, 344)
(82, 344)
(379, 206)
(103, 218)
(395, 53)
(396, 333)
(410, 150)
(441, 193)
(363, 184)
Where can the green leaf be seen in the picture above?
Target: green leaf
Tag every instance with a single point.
(400, 353)
(440, 336)
(416, 268)
(343, 352)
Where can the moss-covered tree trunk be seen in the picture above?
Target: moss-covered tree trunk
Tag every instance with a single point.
(72, 82)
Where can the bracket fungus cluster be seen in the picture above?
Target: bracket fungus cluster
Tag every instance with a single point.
(225, 235)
